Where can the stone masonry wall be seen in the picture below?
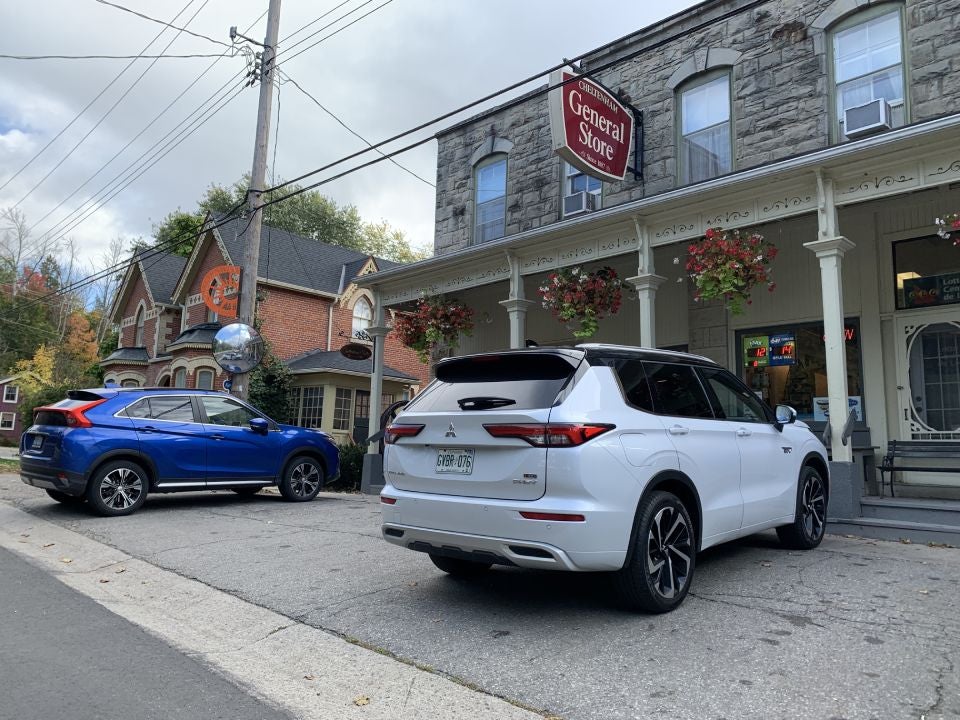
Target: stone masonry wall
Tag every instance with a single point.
(780, 101)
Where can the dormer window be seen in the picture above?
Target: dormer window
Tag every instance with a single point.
(138, 339)
(362, 316)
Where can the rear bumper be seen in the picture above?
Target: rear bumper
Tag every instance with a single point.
(494, 531)
(41, 475)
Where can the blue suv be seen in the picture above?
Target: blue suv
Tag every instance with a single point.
(112, 446)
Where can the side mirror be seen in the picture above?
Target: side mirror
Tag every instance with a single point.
(786, 415)
(259, 426)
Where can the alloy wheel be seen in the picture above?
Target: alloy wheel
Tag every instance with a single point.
(813, 506)
(305, 479)
(668, 552)
(120, 489)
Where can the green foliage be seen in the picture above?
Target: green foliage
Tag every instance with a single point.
(38, 397)
(24, 325)
(351, 468)
(270, 388)
(175, 227)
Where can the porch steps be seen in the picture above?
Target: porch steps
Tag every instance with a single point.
(914, 519)
(918, 510)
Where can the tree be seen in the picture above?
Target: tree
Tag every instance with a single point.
(270, 386)
(177, 231)
(77, 355)
(309, 214)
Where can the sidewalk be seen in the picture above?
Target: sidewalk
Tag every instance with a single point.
(8, 453)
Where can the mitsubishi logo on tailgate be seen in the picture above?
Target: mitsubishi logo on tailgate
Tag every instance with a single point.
(451, 431)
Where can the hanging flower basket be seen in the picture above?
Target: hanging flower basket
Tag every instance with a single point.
(578, 298)
(728, 264)
(949, 227)
(436, 322)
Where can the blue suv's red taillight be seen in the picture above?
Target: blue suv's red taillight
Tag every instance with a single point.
(72, 416)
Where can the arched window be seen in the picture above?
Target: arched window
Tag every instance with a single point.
(362, 315)
(180, 378)
(490, 199)
(868, 69)
(130, 383)
(704, 127)
(204, 380)
(138, 339)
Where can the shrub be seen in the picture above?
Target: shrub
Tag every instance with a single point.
(351, 468)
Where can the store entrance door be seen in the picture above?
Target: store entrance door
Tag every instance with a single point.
(928, 383)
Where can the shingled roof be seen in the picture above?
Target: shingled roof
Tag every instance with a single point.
(161, 271)
(332, 360)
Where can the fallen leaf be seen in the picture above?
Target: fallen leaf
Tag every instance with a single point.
(104, 580)
(906, 541)
(66, 560)
(120, 570)
(412, 584)
(24, 534)
(766, 563)
(49, 545)
(308, 677)
(361, 700)
(923, 592)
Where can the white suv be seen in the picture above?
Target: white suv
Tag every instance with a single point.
(600, 457)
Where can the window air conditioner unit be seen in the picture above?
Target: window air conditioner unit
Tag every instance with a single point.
(580, 202)
(866, 119)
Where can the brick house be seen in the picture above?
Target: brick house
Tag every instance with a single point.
(830, 126)
(11, 398)
(309, 306)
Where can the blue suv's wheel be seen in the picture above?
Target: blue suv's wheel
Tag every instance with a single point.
(117, 488)
(302, 479)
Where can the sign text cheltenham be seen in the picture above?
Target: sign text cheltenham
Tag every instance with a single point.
(591, 129)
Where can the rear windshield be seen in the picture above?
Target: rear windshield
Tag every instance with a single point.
(492, 382)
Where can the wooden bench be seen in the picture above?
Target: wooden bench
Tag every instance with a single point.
(907, 455)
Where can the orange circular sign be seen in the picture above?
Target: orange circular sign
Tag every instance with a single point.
(220, 290)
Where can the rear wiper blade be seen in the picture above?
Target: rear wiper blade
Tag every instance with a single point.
(484, 402)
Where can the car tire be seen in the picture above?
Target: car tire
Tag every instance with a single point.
(247, 491)
(810, 518)
(117, 488)
(460, 568)
(660, 568)
(62, 497)
(302, 479)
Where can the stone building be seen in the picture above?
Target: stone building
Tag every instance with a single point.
(829, 126)
(309, 305)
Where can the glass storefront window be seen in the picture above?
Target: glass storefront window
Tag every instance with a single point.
(926, 272)
(787, 365)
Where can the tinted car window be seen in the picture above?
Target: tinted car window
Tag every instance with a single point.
(140, 409)
(177, 408)
(512, 382)
(676, 390)
(636, 389)
(732, 400)
(224, 411)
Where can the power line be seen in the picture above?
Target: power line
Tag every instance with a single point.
(351, 130)
(151, 19)
(114, 57)
(89, 104)
(335, 32)
(314, 21)
(110, 110)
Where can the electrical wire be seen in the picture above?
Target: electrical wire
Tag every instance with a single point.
(313, 22)
(113, 57)
(110, 110)
(90, 104)
(349, 129)
(327, 37)
(161, 22)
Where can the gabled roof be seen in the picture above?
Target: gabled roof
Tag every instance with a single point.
(160, 272)
(333, 361)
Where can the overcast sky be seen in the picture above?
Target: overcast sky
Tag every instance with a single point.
(402, 65)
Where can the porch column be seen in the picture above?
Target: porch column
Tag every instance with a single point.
(830, 252)
(517, 305)
(646, 282)
(371, 480)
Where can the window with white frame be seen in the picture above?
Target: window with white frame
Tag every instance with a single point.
(706, 141)
(490, 198)
(180, 378)
(341, 409)
(310, 407)
(138, 339)
(362, 315)
(8, 421)
(11, 393)
(581, 192)
(204, 379)
(868, 64)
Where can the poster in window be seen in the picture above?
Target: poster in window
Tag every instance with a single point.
(931, 290)
(783, 349)
(756, 350)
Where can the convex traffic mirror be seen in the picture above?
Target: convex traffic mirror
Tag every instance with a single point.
(237, 348)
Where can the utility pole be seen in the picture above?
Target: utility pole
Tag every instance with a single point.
(258, 177)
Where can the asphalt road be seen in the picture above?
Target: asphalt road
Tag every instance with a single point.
(64, 656)
(855, 629)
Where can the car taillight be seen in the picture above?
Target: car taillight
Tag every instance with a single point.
(555, 517)
(550, 434)
(394, 432)
(388, 500)
(73, 417)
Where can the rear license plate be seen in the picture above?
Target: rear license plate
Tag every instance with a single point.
(458, 460)
(37, 442)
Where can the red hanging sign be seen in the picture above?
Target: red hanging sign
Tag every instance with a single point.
(220, 290)
(591, 129)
